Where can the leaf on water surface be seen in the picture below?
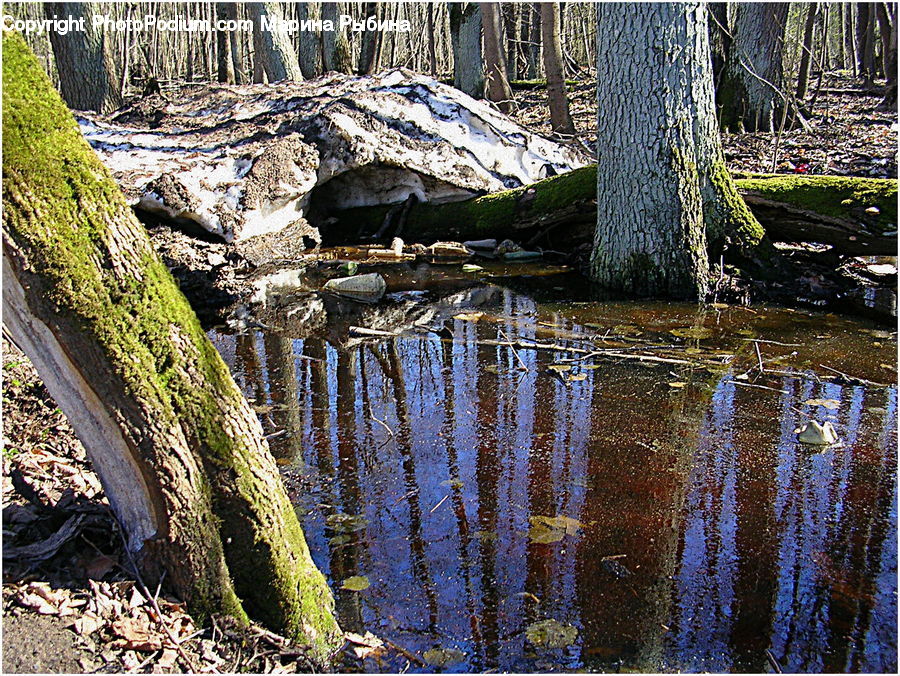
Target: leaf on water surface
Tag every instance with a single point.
(677, 384)
(345, 523)
(590, 367)
(559, 367)
(469, 316)
(485, 535)
(471, 267)
(492, 368)
(574, 377)
(548, 529)
(826, 403)
(441, 657)
(692, 332)
(545, 535)
(339, 540)
(356, 583)
(551, 634)
(626, 330)
(453, 483)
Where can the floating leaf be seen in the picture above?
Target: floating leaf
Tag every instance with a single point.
(826, 403)
(492, 368)
(559, 367)
(356, 583)
(471, 267)
(568, 524)
(545, 535)
(339, 540)
(692, 332)
(452, 483)
(441, 657)
(486, 535)
(626, 330)
(469, 316)
(574, 377)
(345, 523)
(677, 384)
(551, 634)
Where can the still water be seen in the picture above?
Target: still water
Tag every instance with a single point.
(662, 513)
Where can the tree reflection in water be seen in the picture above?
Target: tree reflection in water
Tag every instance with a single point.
(729, 538)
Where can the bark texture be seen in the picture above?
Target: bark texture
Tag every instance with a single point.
(368, 63)
(812, 12)
(178, 449)
(309, 53)
(497, 87)
(750, 93)
(560, 119)
(335, 48)
(465, 38)
(86, 74)
(274, 50)
(662, 186)
(224, 58)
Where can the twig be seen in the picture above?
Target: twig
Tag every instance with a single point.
(403, 651)
(773, 662)
(771, 342)
(759, 387)
(511, 347)
(439, 504)
(854, 378)
(759, 358)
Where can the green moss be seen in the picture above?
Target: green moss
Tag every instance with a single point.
(729, 216)
(836, 196)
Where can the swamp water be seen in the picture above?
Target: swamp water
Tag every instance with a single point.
(495, 507)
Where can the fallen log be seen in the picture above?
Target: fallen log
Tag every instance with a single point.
(856, 216)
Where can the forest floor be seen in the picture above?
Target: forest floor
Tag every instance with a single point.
(71, 601)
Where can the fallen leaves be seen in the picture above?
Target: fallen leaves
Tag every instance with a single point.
(551, 634)
(549, 529)
(356, 583)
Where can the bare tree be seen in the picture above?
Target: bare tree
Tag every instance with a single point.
(335, 48)
(751, 89)
(560, 119)
(465, 36)
(310, 51)
(812, 13)
(274, 51)
(87, 78)
(497, 87)
(368, 63)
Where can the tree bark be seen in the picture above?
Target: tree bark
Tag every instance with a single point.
(465, 36)
(865, 45)
(178, 449)
(887, 25)
(719, 41)
(335, 48)
(849, 36)
(368, 64)
(534, 41)
(224, 59)
(560, 119)
(432, 41)
(309, 53)
(497, 87)
(812, 11)
(274, 50)
(751, 94)
(560, 212)
(662, 186)
(86, 73)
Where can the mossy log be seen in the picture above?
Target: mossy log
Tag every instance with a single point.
(857, 216)
(179, 451)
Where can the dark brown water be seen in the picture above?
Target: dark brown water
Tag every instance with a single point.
(705, 534)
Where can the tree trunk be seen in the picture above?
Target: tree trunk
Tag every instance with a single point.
(225, 62)
(751, 89)
(850, 36)
(561, 213)
(812, 11)
(534, 41)
(465, 36)
(240, 73)
(865, 56)
(560, 120)
(511, 21)
(890, 61)
(310, 50)
(368, 64)
(179, 451)
(274, 49)
(335, 48)
(497, 87)
(662, 185)
(86, 73)
(719, 41)
(432, 42)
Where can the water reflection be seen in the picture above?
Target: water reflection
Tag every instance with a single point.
(711, 541)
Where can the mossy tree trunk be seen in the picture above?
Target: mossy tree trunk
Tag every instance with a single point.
(750, 92)
(87, 77)
(178, 449)
(662, 187)
(335, 48)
